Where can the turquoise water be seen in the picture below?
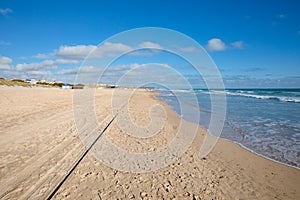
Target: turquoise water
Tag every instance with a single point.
(265, 121)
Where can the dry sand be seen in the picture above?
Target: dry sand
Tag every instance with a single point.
(39, 145)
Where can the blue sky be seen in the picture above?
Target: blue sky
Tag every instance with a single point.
(253, 43)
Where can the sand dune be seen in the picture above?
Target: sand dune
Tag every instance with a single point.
(40, 142)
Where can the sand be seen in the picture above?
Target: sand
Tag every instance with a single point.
(40, 143)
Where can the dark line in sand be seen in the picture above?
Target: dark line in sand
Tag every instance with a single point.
(80, 159)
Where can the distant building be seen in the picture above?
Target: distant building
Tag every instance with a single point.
(77, 87)
(31, 81)
(65, 87)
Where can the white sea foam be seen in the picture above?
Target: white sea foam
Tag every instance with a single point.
(272, 133)
(257, 96)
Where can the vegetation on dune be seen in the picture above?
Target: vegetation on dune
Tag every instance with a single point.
(56, 84)
(20, 82)
(15, 82)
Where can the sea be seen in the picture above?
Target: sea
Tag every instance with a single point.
(263, 121)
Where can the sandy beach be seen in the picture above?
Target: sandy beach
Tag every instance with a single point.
(40, 144)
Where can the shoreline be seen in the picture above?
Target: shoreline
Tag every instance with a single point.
(265, 157)
(241, 146)
(43, 142)
(235, 142)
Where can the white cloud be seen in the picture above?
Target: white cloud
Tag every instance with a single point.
(150, 45)
(81, 51)
(10, 74)
(90, 69)
(109, 49)
(5, 62)
(41, 56)
(153, 65)
(70, 71)
(38, 73)
(216, 44)
(83, 69)
(238, 44)
(65, 61)
(46, 64)
(76, 52)
(5, 11)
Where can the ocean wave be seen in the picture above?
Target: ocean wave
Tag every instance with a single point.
(289, 99)
(280, 98)
(251, 94)
(182, 91)
(244, 93)
(167, 95)
(270, 131)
